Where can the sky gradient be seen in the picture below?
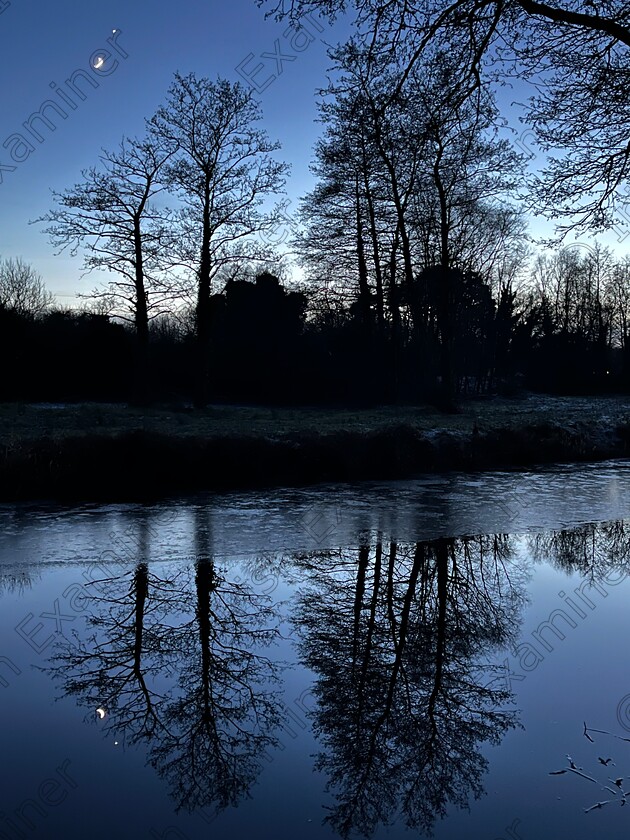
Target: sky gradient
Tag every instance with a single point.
(44, 45)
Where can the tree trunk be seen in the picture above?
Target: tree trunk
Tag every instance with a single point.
(446, 297)
(395, 316)
(203, 306)
(140, 394)
(364, 288)
(380, 304)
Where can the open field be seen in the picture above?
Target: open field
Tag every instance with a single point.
(91, 451)
(19, 422)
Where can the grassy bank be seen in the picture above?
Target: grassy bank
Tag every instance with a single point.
(110, 452)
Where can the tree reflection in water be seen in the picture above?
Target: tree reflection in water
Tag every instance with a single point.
(594, 549)
(405, 642)
(402, 638)
(224, 715)
(600, 553)
(177, 662)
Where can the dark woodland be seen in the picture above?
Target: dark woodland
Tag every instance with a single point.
(418, 279)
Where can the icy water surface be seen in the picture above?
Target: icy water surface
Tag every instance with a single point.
(444, 657)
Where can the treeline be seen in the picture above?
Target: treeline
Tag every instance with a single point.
(418, 282)
(564, 331)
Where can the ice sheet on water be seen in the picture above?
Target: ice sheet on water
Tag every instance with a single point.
(325, 516)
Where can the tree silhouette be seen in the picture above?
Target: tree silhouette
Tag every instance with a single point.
(593, 549)
(426, 178)
(401, 640)
(22, 290)
(224, 714)
(222, 171)
(177, 663)
(575, 53)
(114, 216)
(257, 331)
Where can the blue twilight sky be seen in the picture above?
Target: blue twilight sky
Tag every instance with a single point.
(42, 44)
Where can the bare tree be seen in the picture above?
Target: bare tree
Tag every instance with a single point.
(578, 288)
(423, 177)
(618, 297)
(576, 54)
(222, 171)
(113, 215)
(22, 289)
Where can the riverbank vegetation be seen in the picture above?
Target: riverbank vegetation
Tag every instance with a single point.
(406, 278)
(97, 452)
